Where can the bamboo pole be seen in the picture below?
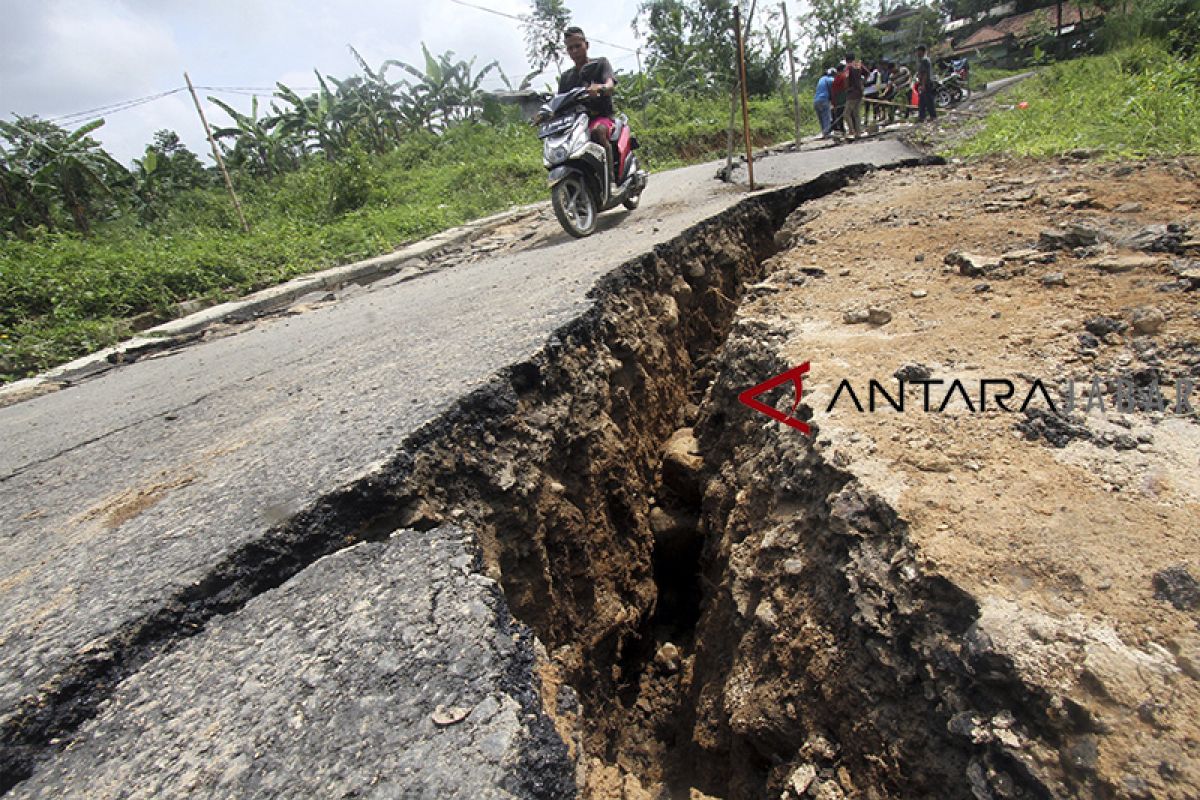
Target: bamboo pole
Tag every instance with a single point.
(217, 154)
(737, 29)
(787, 34)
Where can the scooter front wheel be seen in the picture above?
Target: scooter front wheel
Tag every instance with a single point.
(574, 206)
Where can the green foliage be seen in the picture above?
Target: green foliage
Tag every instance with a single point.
(1174, 22)
(167, 170)
(677, 131)
(827, 28)
(1135, 102)
(48, 173)
(865, 41)
(922, 28)
(982, 76)
(543, 28)
(690, 43)
(62, 295)
(324, 190)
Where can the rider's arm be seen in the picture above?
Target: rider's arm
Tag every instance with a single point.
(607, 82)
(602, 88)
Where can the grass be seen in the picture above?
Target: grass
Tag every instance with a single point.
(62, 295)
(1136, 102)
(982, 76)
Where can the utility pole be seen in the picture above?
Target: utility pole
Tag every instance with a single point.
(737, 29)
(642, 78)
(217, 154)
(787, 35)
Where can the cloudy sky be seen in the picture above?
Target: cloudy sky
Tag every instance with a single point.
(59, 57)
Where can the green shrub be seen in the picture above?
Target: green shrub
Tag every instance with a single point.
(1137, 101)
(62, 295)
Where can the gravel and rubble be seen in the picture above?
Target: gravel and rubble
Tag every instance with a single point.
(1055, 538)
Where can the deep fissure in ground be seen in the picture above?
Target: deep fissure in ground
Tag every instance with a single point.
(706, 658)
(702, 655)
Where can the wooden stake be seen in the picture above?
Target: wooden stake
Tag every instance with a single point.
(217, 154)
(737, 29)
(787, 34)
(733, 104)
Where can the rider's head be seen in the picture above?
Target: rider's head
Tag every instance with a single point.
(577, 45)
(920, 51)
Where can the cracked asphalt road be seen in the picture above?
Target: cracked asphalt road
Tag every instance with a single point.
(122, 494)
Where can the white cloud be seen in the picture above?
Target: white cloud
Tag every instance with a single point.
(86, 53)
(64, 56)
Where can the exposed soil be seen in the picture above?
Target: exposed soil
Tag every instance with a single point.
(1072, 535)
(955, 603)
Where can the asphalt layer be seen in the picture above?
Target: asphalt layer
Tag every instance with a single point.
(124, 494)
(381, 671)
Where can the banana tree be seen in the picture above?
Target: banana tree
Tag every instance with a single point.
(446, 91)
(375, 102)
(21, 207)
(261, 145)
(312, 120)
(69, 167)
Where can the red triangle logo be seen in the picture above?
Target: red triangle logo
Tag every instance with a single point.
(795, 375)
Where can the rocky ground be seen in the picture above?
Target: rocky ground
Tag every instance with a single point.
(1072, 532)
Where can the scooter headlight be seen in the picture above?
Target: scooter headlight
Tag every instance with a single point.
(558, 154)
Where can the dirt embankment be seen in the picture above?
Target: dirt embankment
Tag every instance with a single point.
(964, 600)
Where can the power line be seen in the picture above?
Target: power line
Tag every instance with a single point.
(125, 105)
(522, 20)
(114, 107)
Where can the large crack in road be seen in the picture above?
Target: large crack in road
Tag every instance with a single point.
(610, 495)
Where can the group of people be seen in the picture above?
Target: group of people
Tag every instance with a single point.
(841, 92)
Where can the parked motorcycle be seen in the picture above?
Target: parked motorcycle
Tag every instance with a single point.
(954, 86)
(580, 182)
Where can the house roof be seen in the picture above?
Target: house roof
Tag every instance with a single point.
(983, 37)
(889, 20)
(1019, 26)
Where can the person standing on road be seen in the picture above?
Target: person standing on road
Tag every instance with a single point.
(839, 98)
(926, 108)
(823, 103)
(902, 88)
(854, 96)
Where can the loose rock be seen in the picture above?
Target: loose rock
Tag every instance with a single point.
(913, 372)
(1176, 586)
(682, 464)
(879, 316)
(1114, 264)
(971, 264)
(1101, 326)
(1147, 321)
(1158, 238)
(667, 658)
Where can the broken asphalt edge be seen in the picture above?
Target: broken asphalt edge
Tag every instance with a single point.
(185, 329)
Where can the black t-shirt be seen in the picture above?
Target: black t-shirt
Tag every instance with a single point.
(598, 70)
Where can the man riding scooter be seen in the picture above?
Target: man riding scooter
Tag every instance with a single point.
(596, 75)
